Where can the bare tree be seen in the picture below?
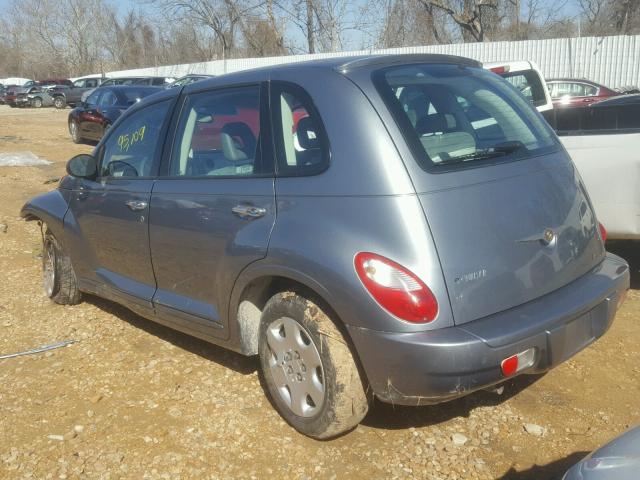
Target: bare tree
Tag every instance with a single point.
(467, 14)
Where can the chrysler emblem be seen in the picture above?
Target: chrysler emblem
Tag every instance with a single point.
(548, 236)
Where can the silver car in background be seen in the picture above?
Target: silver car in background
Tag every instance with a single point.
(617, 460)
(405, 226)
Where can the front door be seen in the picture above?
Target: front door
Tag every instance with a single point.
(212, 212)
(111, 213)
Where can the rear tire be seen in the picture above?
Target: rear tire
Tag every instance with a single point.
(74, 131)
(37, 102)
(59, 102)
(308, 369)
(59, 278)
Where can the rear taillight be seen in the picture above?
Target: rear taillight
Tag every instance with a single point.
(396, 289)
(603, 232)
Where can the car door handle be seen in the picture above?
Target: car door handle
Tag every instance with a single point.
(249, 211)
(136, 205)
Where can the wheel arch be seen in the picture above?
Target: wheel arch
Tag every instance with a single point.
(49, 208)
(255, 286)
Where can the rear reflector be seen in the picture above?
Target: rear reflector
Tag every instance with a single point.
(603, 232)
(517, 363)
(395, 288)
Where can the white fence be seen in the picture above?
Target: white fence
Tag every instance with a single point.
(612, 61)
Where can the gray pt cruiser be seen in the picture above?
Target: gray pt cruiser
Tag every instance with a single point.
(405, 227)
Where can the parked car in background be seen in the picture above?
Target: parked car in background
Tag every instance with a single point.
(91, 119)
(53, 81)
(3, 90)
(603, 140)
(11, 94)
(577, 92)
(151, 81)
(42, 97)
(34, 96)
(526, 77)
(617, 460)
(72, 95)
(389, 244)
(187, 79)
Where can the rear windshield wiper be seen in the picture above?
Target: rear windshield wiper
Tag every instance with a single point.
(497, 150)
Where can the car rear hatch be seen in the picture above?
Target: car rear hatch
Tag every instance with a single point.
(508, 214)
(504, 241)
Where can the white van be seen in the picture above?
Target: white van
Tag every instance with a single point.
(602, 138)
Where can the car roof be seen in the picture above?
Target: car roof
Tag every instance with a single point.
(341, 64)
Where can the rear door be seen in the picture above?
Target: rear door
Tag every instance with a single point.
(111, 213)
(213, 209)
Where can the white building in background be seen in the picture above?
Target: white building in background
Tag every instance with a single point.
(613, 61)
(14, 81)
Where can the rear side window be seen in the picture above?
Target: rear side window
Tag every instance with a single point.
(301, 143)
(453, 115)
(219, 135)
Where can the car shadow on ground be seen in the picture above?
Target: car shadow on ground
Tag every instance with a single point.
(630, 251)
(551, 471)
(236, 362)
(395, 417)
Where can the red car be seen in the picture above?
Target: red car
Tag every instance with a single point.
(575, 92)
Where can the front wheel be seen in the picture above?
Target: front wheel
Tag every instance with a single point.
(58, 277)
(308, 368)
(59, 102)
(37, 102)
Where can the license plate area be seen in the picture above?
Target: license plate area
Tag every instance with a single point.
(568, 339)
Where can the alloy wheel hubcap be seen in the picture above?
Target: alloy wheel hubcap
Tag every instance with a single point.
(296, 367)
(49, 273)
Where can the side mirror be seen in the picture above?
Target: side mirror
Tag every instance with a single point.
(82, 166)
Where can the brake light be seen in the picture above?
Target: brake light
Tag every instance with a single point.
(500, 70)
(396, 289)
(603, 232)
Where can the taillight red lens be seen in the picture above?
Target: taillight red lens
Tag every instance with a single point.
(499, 70)
(396, 289)
(603, 232)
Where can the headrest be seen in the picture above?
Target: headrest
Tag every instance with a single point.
(229, 149)
(307, 133)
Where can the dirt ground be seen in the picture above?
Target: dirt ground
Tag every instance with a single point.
(132, 399)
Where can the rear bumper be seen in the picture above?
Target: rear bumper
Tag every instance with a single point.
(439, 365)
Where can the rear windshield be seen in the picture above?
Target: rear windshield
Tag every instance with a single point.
(457, 115)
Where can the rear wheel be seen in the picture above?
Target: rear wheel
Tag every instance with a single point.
(59, 102)
(308, 368)
(37, 102)
(74, 131)
(58, 277)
